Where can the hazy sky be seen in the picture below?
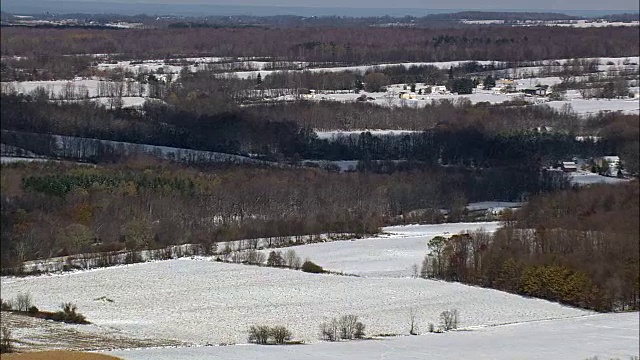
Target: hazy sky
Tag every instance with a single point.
(427, 4)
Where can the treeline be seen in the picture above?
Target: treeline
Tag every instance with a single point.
(53, 209)
(351, 46)
(579, 247)
(246, 132)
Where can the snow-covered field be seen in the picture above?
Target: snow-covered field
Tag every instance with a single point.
(201, 302)
(587, 178)
(604, 335)
(593, 106)
(589, 23)
(390, 256)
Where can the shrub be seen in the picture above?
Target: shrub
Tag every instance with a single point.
(6, 345)
(280, 334)
(311, 267)
(33, 310)
(359, 331)
(432, 328)
(69, 314)
(6, 305)
(275, 259)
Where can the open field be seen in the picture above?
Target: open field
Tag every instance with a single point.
(604, 335)
(204, 302)
(391, 256)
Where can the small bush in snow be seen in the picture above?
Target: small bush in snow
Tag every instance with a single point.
(359, 331)
(311, 267)
(6, 305)
(69, 314)
(432, 328)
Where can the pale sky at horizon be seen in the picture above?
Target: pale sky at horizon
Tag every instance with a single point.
(550, 5)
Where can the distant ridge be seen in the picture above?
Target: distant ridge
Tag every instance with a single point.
(28, 7)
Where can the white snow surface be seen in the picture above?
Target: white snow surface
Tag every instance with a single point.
(603, 335)
(332, 134)
(201, 301)
(493, 205)
(588, 178)
(594, 106)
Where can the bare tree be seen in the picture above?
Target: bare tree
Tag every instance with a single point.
(24, 301)
(280, 334)
(329, 331)
(259, 334)
(291, 259)
(348, 326)
(415, 272)
(449, 320)
(424, 270)
(413, 326)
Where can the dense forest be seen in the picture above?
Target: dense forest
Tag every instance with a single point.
(579, 247)
(352, 46)
(51, 209)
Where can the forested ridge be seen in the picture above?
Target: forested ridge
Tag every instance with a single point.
(353, 46)
(51, 209)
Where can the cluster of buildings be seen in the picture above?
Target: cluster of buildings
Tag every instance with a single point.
(605, 165)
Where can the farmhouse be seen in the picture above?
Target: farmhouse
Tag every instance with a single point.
(538, 90)
(407, 95)
(569, 166)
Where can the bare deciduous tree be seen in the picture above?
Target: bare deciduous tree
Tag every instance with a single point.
(449, 320)
(413, 325)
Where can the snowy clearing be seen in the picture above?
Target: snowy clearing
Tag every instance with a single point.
(588, 178)
(603, 335)
(391, 256)
(594, 106)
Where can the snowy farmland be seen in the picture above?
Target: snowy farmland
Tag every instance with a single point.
(200, 301)
(604, 335)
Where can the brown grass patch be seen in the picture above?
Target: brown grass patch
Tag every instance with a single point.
(57, 355)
